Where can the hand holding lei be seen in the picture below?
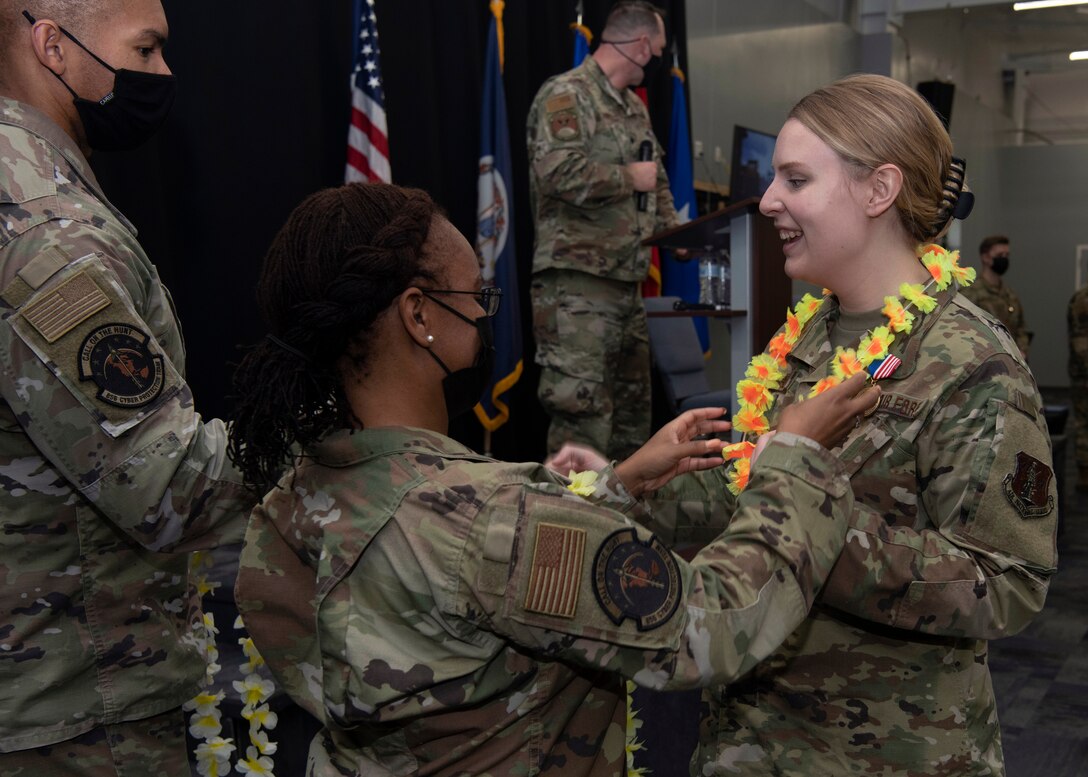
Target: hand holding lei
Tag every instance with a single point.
(767, 371)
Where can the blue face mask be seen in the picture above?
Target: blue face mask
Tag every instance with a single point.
(131, 113)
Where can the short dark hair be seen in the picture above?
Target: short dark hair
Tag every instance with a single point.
(632, 17)
(991, 241)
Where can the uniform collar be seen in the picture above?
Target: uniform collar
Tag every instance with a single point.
(345, 447)
(814, 346)
(596, 74)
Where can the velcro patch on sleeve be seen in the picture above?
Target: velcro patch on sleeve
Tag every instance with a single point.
(66, 307)
(556, 570)
(637, 580)
(561, 102)
(1027, 487)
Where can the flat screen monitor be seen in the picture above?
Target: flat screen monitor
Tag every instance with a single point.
(752, 170)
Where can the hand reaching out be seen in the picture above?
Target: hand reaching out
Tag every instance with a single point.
(674, 451)
(829, 417)
(577, 458)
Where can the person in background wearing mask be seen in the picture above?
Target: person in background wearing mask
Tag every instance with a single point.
(995, 296)
(108, 476)
(593, 204)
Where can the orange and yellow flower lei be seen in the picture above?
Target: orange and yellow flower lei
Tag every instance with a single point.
(767, 372)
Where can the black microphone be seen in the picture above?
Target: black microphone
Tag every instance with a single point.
(645, 154)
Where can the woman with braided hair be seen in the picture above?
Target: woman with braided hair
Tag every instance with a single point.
(952, 535)
(440, 612)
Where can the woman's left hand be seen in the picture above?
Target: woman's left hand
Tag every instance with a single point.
(674, 451)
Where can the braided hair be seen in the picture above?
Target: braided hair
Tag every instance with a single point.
(343, 256)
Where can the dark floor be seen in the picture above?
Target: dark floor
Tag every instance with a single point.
(1041, 675)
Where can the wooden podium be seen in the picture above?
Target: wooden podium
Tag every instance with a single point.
(760, 292)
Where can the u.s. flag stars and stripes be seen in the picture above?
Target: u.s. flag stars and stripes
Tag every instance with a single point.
(368, 142)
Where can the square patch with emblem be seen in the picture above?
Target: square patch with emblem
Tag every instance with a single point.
(556, 572)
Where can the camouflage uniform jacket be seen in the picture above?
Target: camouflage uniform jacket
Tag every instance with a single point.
(582, 131)
(444, 613)
(1077, 321)
(107, 472)
(951, 543)
(1003, 304)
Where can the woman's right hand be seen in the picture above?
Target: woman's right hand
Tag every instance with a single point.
(829, 417)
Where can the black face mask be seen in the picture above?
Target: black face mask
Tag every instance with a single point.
(463, 388)
(648, 70)
(1000, 264)
(131, 113)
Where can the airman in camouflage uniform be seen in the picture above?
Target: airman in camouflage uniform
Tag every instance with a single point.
(584, 132)
(108, 476)
(444, 613)
(1077, 318)
(995, 296)
(951, 543)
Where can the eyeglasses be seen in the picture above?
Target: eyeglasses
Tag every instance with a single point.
(488, 297)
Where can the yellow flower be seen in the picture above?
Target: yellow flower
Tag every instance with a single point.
(206, 726)
(807, 308)
(964, 276)
(204, 703)
(581, 483)
(793, 327)
(940, 265)
(216, 752)
(754, 395)
(899, 318)
(738, 476)
(915, 294)
(779, 348)
(766, 370)
(845, 363)
(821, 386)
(253, 690)
(748, 420)
(738, 450)
(255, 763)
(263, 744)
(261, 716)
(874, 345)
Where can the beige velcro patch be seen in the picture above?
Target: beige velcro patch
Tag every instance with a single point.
(556, 570)
(69, 305)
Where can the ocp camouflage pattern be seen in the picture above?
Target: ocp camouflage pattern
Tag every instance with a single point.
(581, 132)
(391, 584)
(951, 543)
(1003, 304)
(99, 504)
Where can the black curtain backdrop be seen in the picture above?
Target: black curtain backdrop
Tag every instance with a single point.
(261, 121)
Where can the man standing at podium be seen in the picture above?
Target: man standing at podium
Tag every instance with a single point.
(598, 189)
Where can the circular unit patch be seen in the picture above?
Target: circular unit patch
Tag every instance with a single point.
(637, 580)
(117, 358)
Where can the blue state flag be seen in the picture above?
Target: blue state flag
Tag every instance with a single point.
(582, 37)
(495, 233)
(681, 279)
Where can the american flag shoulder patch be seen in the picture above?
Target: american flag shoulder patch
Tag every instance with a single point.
(66, 307)
(555, 574)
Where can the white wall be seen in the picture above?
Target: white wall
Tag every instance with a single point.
(750, 62)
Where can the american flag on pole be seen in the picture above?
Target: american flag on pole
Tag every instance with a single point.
(368, 142)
